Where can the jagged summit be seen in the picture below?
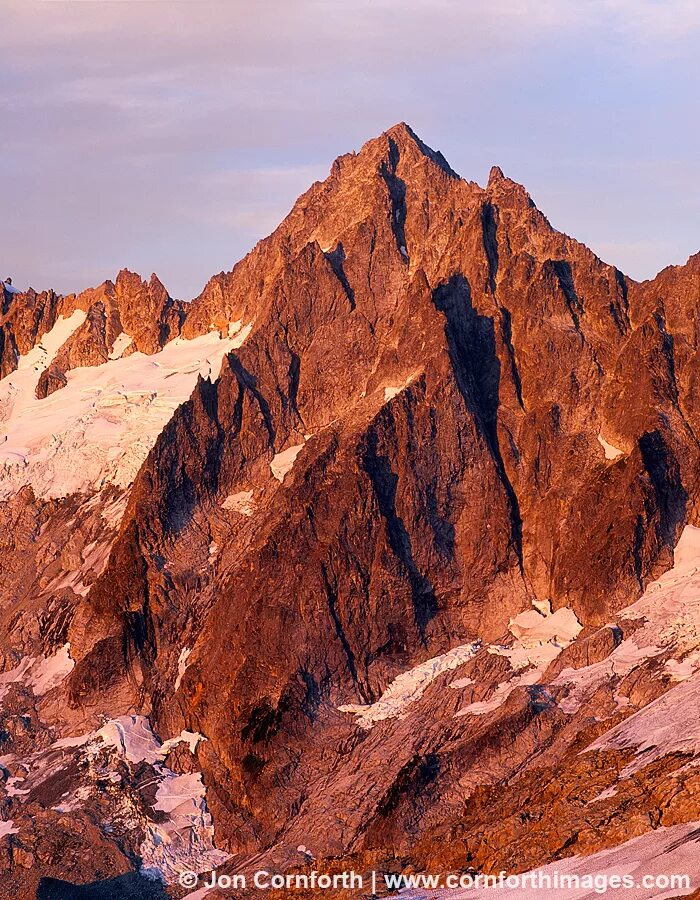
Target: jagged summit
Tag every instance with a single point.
(404, 136)
(495, 176)
(352, 180)
(396, 143)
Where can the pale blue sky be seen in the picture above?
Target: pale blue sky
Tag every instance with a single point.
(170, 135)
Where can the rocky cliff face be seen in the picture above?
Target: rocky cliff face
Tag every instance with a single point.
(385, 558)
(141, 313)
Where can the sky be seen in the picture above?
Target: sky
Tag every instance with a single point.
(171, 135)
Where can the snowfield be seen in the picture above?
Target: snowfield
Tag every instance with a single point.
(540, 636)
(41, 673)
(410, 686)
(664, 852)
(183, 836)
(242, 503)
(668, 627)
(283, 462)
(668, 614)
(670, 724)
(99, 428)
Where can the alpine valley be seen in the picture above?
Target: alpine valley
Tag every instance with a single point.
(382, 553)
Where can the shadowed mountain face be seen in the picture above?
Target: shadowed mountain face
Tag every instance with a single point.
(359, 529)
(126, 887)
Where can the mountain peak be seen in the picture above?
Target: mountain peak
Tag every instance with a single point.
(496, 175)
(404, 141)
(402, 133)
(508, 191)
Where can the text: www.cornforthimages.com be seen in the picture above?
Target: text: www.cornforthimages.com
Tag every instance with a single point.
(599, 883)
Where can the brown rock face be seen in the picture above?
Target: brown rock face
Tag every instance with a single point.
(146, 312)
(24, 319)
(444, 412)
(141, 310)
(87, 346)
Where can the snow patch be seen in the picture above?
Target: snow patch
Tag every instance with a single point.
(410, 686)
(534, 628)
(120, 345)
(460, 683)
(242, 503)
(182, 665)
(100, 427)
(49, 672)
(94, 560)
(604, 795)
(392, 390)
(611, 452)
(41, 673)
(132, 737)
(14, 675)
(7, 828)
(11, 787)
(684, 669)
(503, 690)
(543, 606)
(113, 512)
(282, 462)
(239, 333)
(199, 894)
(40, 356)
(191, 738)
(72, 801)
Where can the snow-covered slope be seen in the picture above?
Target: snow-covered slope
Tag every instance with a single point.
(646, 864)
(670, 613)
(410, 686)
(100, 427)
(174, 826)
(668, 628)
(10, 288)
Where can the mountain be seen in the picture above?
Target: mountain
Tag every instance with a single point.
(380, 553)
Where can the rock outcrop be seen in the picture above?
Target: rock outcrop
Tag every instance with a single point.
(141, 313)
